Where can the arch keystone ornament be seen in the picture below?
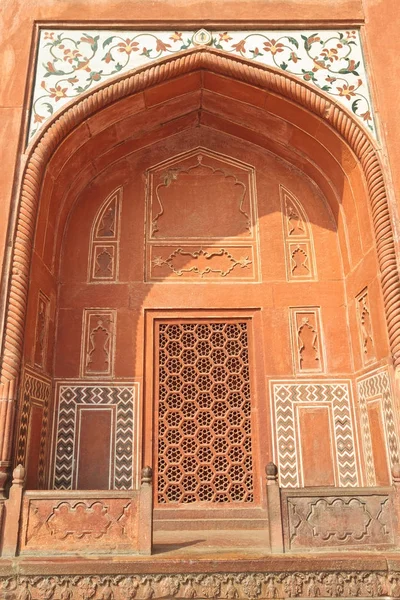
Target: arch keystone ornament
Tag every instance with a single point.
(200, 59)
(202, 37)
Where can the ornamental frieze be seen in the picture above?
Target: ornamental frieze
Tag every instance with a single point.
(246, 586)
(73, 61)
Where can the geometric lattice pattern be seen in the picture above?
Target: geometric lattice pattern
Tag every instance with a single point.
(337, 394)
(377, 386)
(124, 398)
(36, 388)
(204, 426)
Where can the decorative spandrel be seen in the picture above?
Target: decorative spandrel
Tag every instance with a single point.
(73, 61)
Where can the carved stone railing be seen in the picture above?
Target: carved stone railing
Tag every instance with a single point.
(324, 518)
(83, 522)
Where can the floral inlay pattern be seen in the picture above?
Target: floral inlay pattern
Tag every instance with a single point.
(70, 62)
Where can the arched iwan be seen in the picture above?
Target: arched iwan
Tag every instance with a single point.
(266, 78)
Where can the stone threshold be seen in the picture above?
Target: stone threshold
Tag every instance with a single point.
(227, 562)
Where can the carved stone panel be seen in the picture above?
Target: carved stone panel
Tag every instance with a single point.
(121, 398)
(329, 521)
(98, 342)
(202, 263)
(103, 262)
(63, 525)
(365, 328)
(307, 340)
(201, 219)
(298, 239)
(42, 325)
(287, 398)
(299, 583)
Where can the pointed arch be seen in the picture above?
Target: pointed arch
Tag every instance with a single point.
(204, 59)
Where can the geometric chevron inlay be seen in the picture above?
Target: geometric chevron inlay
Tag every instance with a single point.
(125, 399)
(36, 388)
(377, 386)
(336, 395)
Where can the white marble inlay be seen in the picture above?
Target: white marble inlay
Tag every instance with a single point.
(69, 62)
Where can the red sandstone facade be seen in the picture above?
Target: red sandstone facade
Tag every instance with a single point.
(200, 319)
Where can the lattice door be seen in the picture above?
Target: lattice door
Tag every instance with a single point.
(204, 439)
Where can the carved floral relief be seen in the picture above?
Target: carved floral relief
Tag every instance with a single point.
(241, 586)
(207, 263)
(104, 524)
(332, 522)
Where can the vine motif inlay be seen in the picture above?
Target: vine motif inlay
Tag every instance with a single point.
(70, 62)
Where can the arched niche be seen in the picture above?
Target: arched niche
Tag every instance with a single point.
(203, 95)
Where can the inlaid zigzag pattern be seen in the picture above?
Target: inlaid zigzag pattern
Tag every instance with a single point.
(375, 386)
(35, 387)
(70, 396)
(285, 395)
(343, 427)
(43, 442)
(285, 432)
(366, 440)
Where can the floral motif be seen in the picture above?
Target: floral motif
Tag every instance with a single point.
(233, 586)
(75, 61)
(203, 257)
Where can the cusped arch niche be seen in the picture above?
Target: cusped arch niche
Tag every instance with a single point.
(328, 123)
(104, 240)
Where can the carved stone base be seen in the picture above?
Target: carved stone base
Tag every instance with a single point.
(246, 586)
